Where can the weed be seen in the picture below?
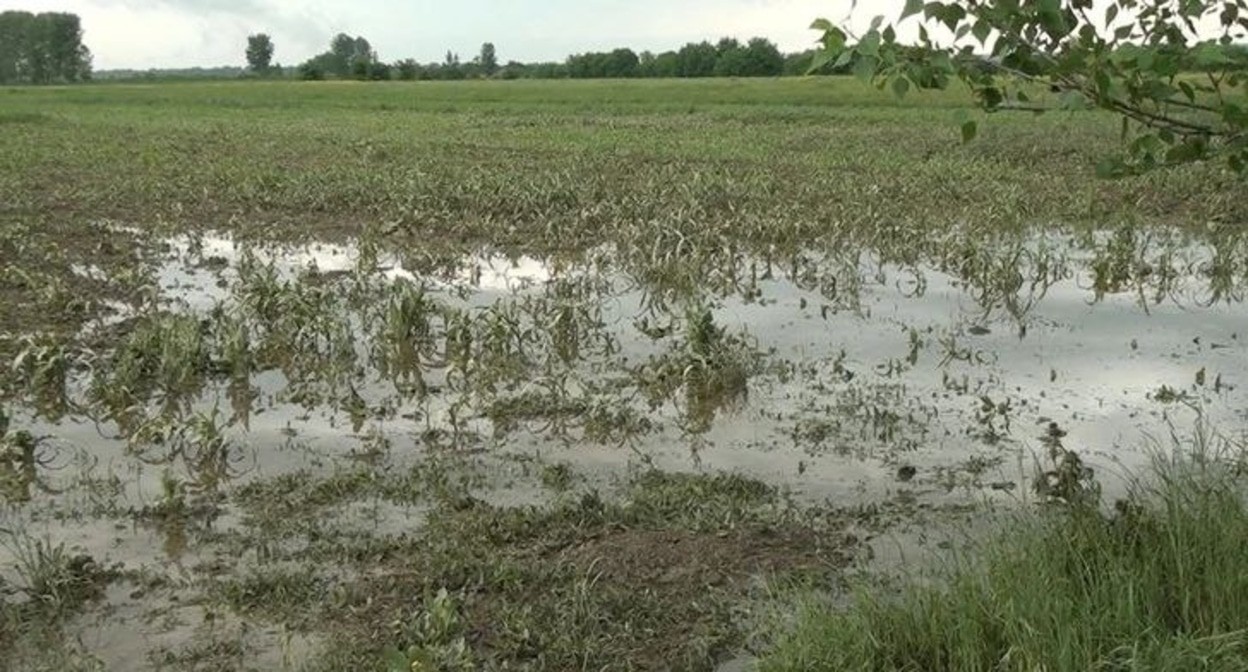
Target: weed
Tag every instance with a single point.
(1155, 584)
(54, 578)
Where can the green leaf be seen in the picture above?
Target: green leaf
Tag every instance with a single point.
(1052, 19)
(1073, 100)
(901, 86)
(395, 660)
(865, 67)
(834, 40)
(1187, 151)
(969, 130)
(990, 97)
(820, 59)
(981, 31)
(822, 24)
(912, 7)
(953, 15)
(1210, 55)
(1112, 167)
(947, 13)
(1229, 15)
(870, 44)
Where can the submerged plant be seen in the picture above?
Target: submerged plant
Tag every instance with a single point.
(43, 367)
(710, 368)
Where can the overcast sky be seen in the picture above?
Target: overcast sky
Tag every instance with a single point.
(182, 33)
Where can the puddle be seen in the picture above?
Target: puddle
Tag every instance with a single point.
(898, 364)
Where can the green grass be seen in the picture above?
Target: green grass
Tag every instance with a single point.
(1160, 584)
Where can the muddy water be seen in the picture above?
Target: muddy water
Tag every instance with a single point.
(860, 369)
(910, 365)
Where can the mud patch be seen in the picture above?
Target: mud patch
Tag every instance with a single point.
(587, 580)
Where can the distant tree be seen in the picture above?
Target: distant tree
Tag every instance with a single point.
(513, 70)
(379, 71)
(697, 60)
(42, 48)
(16, 30)
(407, 70)
(259, 53)
(451, 68)
(311, 71)
(488, 59)
(621, 63)
(363, 51)
(666, 64)
(342, 50)
(730, 58)
(645, 64)
(763, 59)
(759, 58)
(614, 64)
(347, 57)
(549, 71)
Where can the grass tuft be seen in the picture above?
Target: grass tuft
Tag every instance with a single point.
(1157, 583)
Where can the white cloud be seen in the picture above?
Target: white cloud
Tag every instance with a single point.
(181, 33)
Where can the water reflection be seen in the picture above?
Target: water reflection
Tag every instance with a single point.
(862, 351)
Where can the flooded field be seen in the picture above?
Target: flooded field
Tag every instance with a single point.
(840, 377)
(576, 432)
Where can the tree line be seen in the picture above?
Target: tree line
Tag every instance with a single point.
(351, 57)
(42, 48)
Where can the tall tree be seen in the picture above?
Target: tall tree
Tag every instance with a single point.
(488, 59)
(42, 48)
(1170, 69)
(362, 52)
(15, 34)
(347, 56)
(666, 64)
(259, 53)
(407, 69)
(763, 58)
(697, 60)
(341, 50)
(730, 58)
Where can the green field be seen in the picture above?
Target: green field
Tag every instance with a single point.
(548, 166)
(580, 374)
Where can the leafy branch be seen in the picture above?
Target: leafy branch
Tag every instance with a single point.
(1175, 71)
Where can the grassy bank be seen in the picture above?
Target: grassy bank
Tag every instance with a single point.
(1158, 584)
